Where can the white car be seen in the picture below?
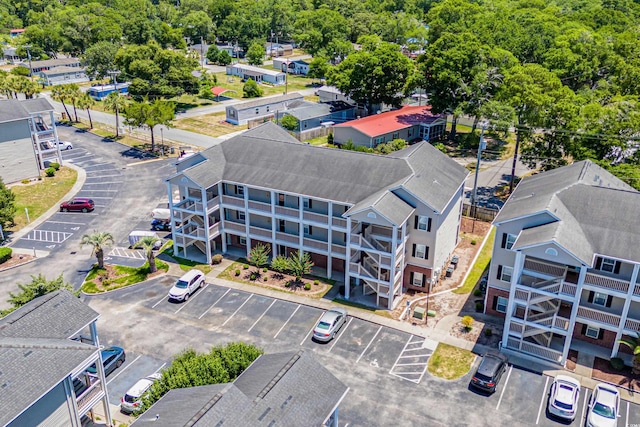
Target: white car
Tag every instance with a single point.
(64, 145)
(604, 406)
(132, 399)
(563, 399)
(187, 285)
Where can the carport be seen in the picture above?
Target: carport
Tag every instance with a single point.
(219, 90)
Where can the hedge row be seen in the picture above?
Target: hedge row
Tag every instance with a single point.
(5, 254)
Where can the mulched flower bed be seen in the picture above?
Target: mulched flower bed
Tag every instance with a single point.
(572, 360)
(15, 260)
(603, 371)
(275, 280)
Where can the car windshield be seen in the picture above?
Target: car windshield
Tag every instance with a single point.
(603, 410)
(182, 284)
(323, 325)
(129, 398)
(482, 377)
(562, 405)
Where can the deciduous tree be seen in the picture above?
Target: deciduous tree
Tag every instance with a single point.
(151, 114)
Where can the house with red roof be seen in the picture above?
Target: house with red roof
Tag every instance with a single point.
(408, 123)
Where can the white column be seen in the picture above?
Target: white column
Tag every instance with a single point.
(274, 226)
(173, 223)
(574, 312)
(203, 193)
(347, 264)
(101, 375)
(55, 135)
(515, 275)
(392, 272)
(223, 211)
(36, 140)
(330, 239)
(300, 224)
(625, 310)
(246, 220)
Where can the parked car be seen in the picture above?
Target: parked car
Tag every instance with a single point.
(604, 406)
(112, 358)
(563, 398)
(160, 225)
(329, 324)
(133, 397)
(77, 204)
(489, 372)
(186, 285)
(65, 145)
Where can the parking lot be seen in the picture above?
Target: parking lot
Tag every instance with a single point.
(385, 368)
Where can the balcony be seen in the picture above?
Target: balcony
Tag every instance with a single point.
(339, 222)
(544, 268)
(632, 325)
(214, 230)
(260, 206)
(262, 232)
(606, 282)
(367, 243)
(598, 316)
(534, 349)
(315, 217)
(234, 226)
(316, 244)
(90, 396)
(554, 286)
(289, 238)
(213, 204)
(338, 249)
(233, 201)
(291, 212)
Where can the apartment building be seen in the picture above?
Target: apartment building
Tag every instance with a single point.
(46, 347)
(564, 271)
(382, 223)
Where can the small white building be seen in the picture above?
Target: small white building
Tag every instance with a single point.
(299, 66)
(259, 75)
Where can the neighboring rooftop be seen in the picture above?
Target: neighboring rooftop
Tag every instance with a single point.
(255, 70)
(589, 210)
(268, 157)
(267, 101)
(36, 352)
(286, 389)
(14, 109)
(305, 110)
(391, 121)
(48, 63)
(62, 70)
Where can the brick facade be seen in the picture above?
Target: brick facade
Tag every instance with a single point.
(415, 269)
(606, 338)
(492, 301)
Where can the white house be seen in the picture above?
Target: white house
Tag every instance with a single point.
(257, 74)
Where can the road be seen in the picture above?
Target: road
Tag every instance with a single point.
(493, 173)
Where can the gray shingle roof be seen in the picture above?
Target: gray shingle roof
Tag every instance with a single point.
(13, 109)
(268, 157)
(267, 101)
(36, 353)
(287, 389)
(387, 204)
(597, 212)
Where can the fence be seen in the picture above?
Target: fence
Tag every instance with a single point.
(482, 213)
(312, 133)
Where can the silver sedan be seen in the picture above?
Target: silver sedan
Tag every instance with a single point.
(329, 324)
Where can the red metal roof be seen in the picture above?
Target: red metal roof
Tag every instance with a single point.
(218, 90)
(391, 121)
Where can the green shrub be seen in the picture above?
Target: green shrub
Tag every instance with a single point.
(488, 332)
(216, 259)
(287, 284)
(237, 272)
(265, 278)
(477, 292)
(253, 276)
(473, 242)
(298, 278)
(50, 172)
(617, 363)
(467, 322)
(479, 307)
(307, 286)
(5, 254)
(25, 181)
(55, 165)
(245, 266)
(316, 282)
(265, 270)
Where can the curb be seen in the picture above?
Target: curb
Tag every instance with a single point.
(124, 287)
(18, 265)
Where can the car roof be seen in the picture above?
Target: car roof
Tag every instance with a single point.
(606, 394)
(81, 199)
(140, 387)
(565, 391)
(112, 350)
(191, 274)
(333, 313)
(490, 363)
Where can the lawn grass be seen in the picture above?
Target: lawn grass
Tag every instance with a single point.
(450, 362)
(481, 264)
(320, 141)
(129, 276)
(294, 83)
(208, 124)
(39, 197)
(186, 264)
(351, 304)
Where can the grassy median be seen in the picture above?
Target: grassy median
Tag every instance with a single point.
(450, 362)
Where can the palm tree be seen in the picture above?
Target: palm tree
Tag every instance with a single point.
(97, 240)
(73, 94)
(86, 102)
(58, 93)
(116, 103)
(147, 243)
(633, 344)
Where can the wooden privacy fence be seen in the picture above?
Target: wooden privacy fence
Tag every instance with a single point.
(482, 213)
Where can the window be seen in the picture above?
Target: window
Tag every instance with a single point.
(240, 190)
(232, 113)
(418, 279)
(592, 332)
(421, 251)
(308, 230)
(379, 140)
(422, 223)
(240, 216)
(599, 298)
(410, 131)
(280, 199)
(508, 240)
(505, 273)
(243, 241)
(307, 204)
(395, 135)
(501, 304)
(607, 264)
(281, 225)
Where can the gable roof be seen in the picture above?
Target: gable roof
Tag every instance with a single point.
(36, 353)
(52, 63)
(267, 101)
(593, 212)
(62, 70)
(268, 157)
(255, 70)
(392, 121)
(13, 109)
(288, 389)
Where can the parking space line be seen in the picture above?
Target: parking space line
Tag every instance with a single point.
(123, 369)
(183, 305)
(544, 392)
(102, 176)
(424, 371)
(368, 345)
(94, 191)
(410, 364)
(584, 404)
(99, 197)
(163, 298)
(285, 323)
(217, 301)
(341, 334)
(626, 419)
(237, 310)
(259, 318)
(506, 381)
(160, 368)
(104, 182)
(312, 328)
(65, 222)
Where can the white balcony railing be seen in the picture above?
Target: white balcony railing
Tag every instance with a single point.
(233, 201)
(544, 268)
(338, 249)
(281, 210)
(534, 349)
(598, 316)
(234, 226)
(632, 325)
(339, 222)
(214, 230)
(259, 206)
(262, 232)
(316, 217)
(606, 282)
(316, 244)
(289, 238)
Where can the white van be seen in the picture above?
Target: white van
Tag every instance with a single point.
(136, 235)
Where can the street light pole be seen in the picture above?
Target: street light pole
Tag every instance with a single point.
(28, 47)
(114, 74)
(474, 196)
(201, 52)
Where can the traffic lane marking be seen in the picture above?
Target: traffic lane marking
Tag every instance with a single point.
(193, 296)
(504, 388)
(214, 304)
(340, 333)
(237, 310)
(287, 321)
(262, 315)
(368, 344)
(48, 236)
(359, 335)
(385, 349)
(227, 305)
(246, 315)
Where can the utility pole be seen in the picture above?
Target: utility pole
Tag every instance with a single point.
(515, 159)
(286, 77)
(28, 47)
(474, 196)
(114, 74)
(201, 52)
